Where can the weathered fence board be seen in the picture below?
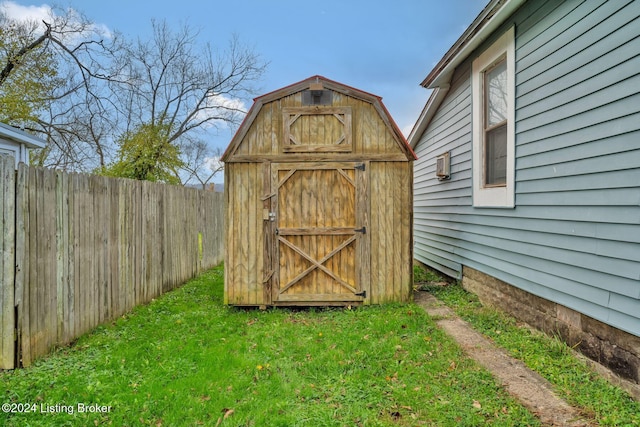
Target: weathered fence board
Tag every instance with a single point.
(80, 250)
(7, 262)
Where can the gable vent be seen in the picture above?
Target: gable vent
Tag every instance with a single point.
(317, 97)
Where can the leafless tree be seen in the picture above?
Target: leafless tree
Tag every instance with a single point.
(192, 88)
(201, 163)
(108, 86)
(73, 113)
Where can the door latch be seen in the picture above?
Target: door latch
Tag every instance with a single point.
(362, 294)
(272, 216)
(362, 230)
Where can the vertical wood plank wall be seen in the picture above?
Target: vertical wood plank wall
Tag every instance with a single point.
(89, 249)
(386, 251)
(245, 242)
(391, 276)
(7, 261)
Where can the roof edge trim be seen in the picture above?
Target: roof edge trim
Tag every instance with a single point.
(491, 17)
(14, 134)
(427, 114)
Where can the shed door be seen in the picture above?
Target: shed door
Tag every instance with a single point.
(319, 232)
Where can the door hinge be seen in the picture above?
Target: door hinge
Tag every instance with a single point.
(362, 294)
(362, 230)
(360, 167)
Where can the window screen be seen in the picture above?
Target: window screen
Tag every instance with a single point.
(495, 125)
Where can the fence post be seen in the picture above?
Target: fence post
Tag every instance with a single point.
(7, 262)
(74, 245)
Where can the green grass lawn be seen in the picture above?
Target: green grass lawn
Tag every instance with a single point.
(572, 379)
(186, 359)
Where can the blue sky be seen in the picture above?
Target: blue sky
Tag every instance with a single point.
(382, 47)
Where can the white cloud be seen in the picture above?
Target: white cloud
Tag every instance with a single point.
(406, 130)
(222, 101)
(25, 13)
(223, 106)
(213, 163)
(45, 12)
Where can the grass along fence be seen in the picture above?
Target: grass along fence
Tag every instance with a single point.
(79, 250)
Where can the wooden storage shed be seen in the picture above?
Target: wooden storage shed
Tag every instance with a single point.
(318, 192)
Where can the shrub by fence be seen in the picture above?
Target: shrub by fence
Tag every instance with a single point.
(79, 250)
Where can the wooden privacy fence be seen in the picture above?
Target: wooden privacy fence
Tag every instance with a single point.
(79, 250)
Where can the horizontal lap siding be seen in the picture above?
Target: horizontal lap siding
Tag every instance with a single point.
(578, 125)
(573, 236)
(438, 204)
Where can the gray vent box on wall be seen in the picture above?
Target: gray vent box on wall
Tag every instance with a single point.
(443, 166)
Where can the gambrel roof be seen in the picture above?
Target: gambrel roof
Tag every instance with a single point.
(328, 84)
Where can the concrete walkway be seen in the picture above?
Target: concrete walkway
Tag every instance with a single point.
(533, 391)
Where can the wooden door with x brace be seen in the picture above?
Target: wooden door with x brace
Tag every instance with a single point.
(320, 228)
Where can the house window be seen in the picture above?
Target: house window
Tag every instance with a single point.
(495, 125)
(12, 151)
(493, 86)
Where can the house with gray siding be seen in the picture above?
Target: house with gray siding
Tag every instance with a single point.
(527, 183)
(17, 143)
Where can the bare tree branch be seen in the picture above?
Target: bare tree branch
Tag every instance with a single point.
(15, 59)
(106, 87)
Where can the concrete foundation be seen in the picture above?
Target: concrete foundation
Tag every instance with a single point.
(616, 350)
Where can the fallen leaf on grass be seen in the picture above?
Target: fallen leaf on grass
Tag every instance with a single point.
(227, 414)
(477, 404)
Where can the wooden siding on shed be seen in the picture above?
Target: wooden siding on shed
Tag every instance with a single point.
(243, 256)
(391, 276)
(574, 233)
(369, 132)
(378, 268)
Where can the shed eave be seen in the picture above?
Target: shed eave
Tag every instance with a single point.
(11, 133)
(242, 130)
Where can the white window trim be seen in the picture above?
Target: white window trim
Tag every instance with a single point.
(503, 197)
(11, 150)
